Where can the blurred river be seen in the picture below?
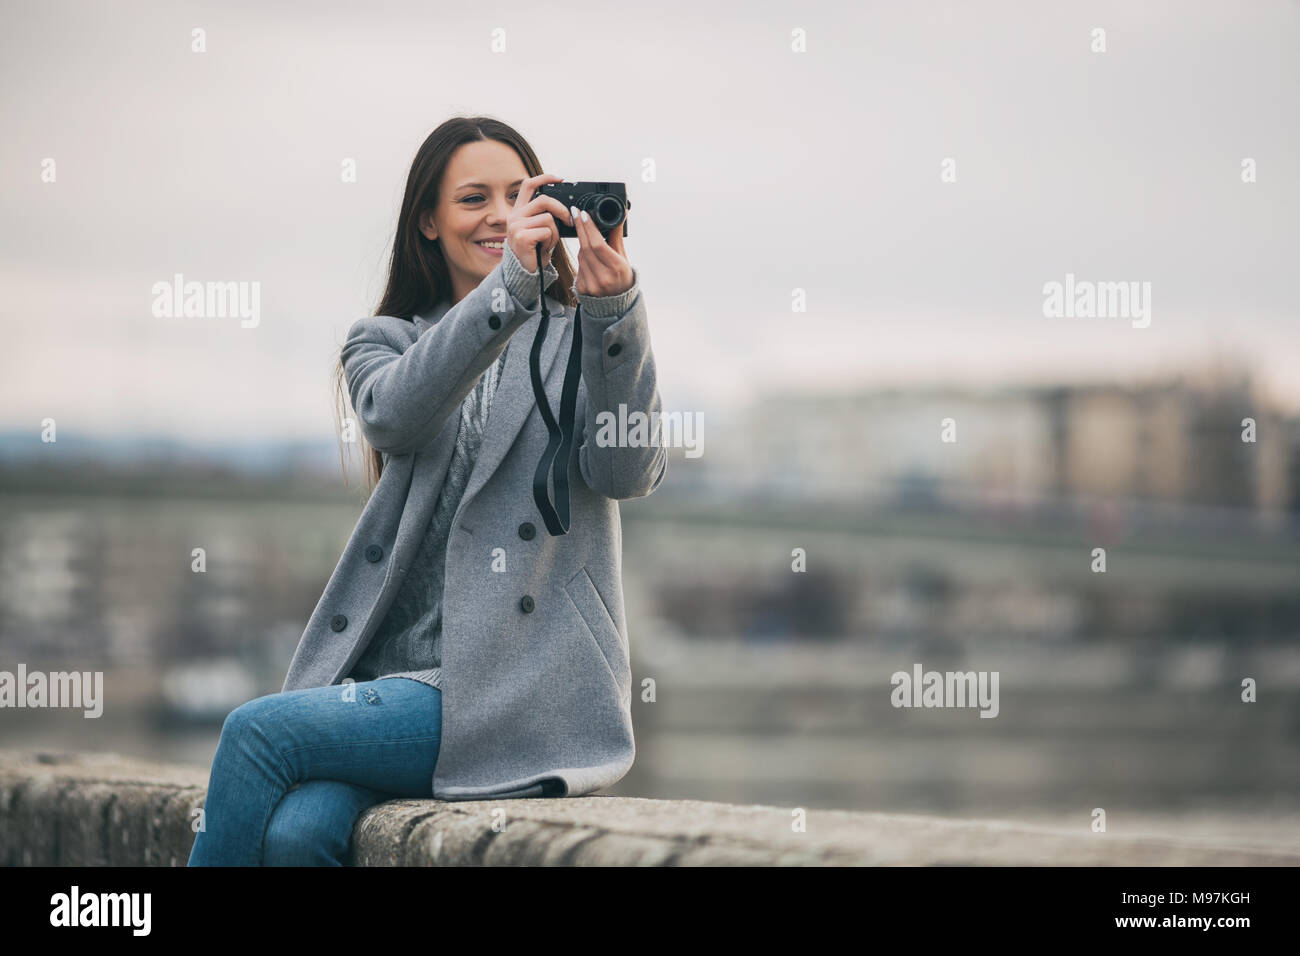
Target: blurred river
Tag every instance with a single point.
(1153, 731)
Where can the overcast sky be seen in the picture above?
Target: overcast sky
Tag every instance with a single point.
(776, 170)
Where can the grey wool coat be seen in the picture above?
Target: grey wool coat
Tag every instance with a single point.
(536, 682)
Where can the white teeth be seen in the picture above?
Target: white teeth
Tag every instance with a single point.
(492, 245)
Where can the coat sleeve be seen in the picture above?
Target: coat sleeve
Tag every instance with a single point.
(618, 368)
(403, 398)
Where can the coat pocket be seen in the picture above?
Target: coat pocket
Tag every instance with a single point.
(586, 599)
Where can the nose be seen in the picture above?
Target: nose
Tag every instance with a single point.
(499, 211)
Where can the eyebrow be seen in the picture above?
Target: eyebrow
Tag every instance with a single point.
(485, 185)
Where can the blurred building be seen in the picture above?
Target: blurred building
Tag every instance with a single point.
(1175, 442)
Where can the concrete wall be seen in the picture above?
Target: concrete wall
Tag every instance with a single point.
(75, 809)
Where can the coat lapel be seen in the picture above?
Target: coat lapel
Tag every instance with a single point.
(514, 398)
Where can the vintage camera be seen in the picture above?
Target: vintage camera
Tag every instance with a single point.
(606, 203)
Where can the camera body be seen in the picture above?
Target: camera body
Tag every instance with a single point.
(606, 203)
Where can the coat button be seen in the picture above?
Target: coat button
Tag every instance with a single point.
(338, 622)
(614, 349)
(526, 602)
(494, 321)
(374, 553)
(526, 531)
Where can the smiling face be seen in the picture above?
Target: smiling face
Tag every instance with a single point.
(477, 192)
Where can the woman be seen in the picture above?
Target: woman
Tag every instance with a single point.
(448, 585)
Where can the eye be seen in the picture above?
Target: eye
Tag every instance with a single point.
(476, 196)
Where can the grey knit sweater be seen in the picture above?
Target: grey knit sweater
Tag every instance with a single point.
(408, 642)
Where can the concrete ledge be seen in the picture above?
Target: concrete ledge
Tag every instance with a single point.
(75, 809)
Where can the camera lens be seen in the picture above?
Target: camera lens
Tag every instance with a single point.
(607, 212)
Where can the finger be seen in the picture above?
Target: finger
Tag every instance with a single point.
(594, 239)
(545, 227)
(600, 248)
(543, 203)
(577, 223)
(602, 257)
(616, 240)
(584, 278)
(601, 261)
(603, 253)
(529, 239)
(528, 188)
(539, 221)
(549, 205)
(540, 228)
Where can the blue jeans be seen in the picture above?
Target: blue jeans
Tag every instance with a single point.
(294, 770)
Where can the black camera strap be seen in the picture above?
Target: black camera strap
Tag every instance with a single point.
(560, 445)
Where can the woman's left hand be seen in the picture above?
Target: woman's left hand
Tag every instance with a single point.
(603, 268)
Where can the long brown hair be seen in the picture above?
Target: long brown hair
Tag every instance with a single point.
(418, 276)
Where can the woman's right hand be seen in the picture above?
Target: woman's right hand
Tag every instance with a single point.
(531, 221)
